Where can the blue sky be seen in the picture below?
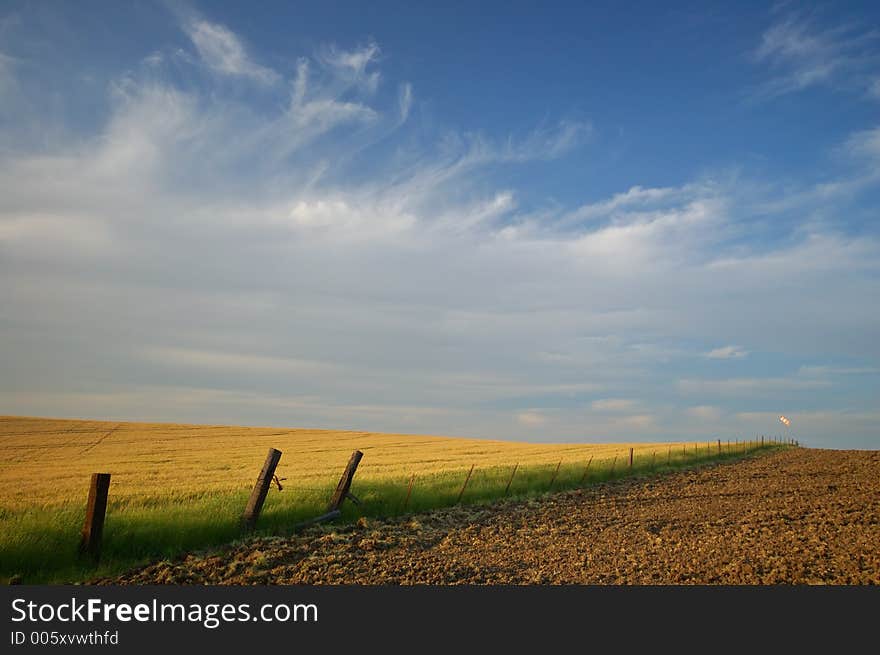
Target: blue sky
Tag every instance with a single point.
(551, 223)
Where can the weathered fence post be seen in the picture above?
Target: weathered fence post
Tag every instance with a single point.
(507, 488)
(343, 488)
(613, 462)
(93, 528)
(586, 469)
(762, 441)
(669, 456)
(719, 446)
(555, 473)
(630, 459)
(261, 488)
(653, 459)
(461, 493)
(409, 487)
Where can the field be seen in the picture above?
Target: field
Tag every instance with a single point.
(179, 487)
(795, 516)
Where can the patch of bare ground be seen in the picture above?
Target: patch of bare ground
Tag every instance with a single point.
(799, 516)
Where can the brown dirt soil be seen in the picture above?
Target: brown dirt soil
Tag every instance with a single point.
(799, 516)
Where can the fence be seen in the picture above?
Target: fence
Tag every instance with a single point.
(529, 479)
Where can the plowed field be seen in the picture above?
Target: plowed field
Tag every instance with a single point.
(799, 516)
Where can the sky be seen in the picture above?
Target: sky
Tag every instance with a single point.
(560, 222)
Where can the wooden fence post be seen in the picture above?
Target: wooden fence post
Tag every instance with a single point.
(653, 459)
(630, 459)
(555, 473)
(261, 488)
(613, 462)
(409, 487)
(461, 493)
(586, 469)
(507, 488)
(343, 488)
(719, 446)
(93, 529)
(669, 456)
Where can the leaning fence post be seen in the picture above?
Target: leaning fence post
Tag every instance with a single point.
(93, 528)
(507, 488)
(555, 473)
(261, 488)
(342, 489)
(461, 493)
(586, 470)
(409, 487)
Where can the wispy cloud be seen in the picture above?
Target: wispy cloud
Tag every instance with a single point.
(223, 52)
(405, 100)
(320, 259)
(351, 65)
(800, 55)
(727, 352)
(865, 143)
(531, 419)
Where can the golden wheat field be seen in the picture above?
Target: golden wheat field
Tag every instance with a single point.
(48, 461)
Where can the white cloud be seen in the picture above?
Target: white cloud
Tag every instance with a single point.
(263, 257)
(635, 196)
(865, 144)
(531, 419)
(405, 100)
(224, 53)
(800, 56)
(727, 352)
(665, 236)
(355, 61)
(351, 65)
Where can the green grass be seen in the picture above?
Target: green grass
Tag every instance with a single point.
(38, 545)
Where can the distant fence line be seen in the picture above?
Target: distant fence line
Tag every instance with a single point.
(99, 486)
